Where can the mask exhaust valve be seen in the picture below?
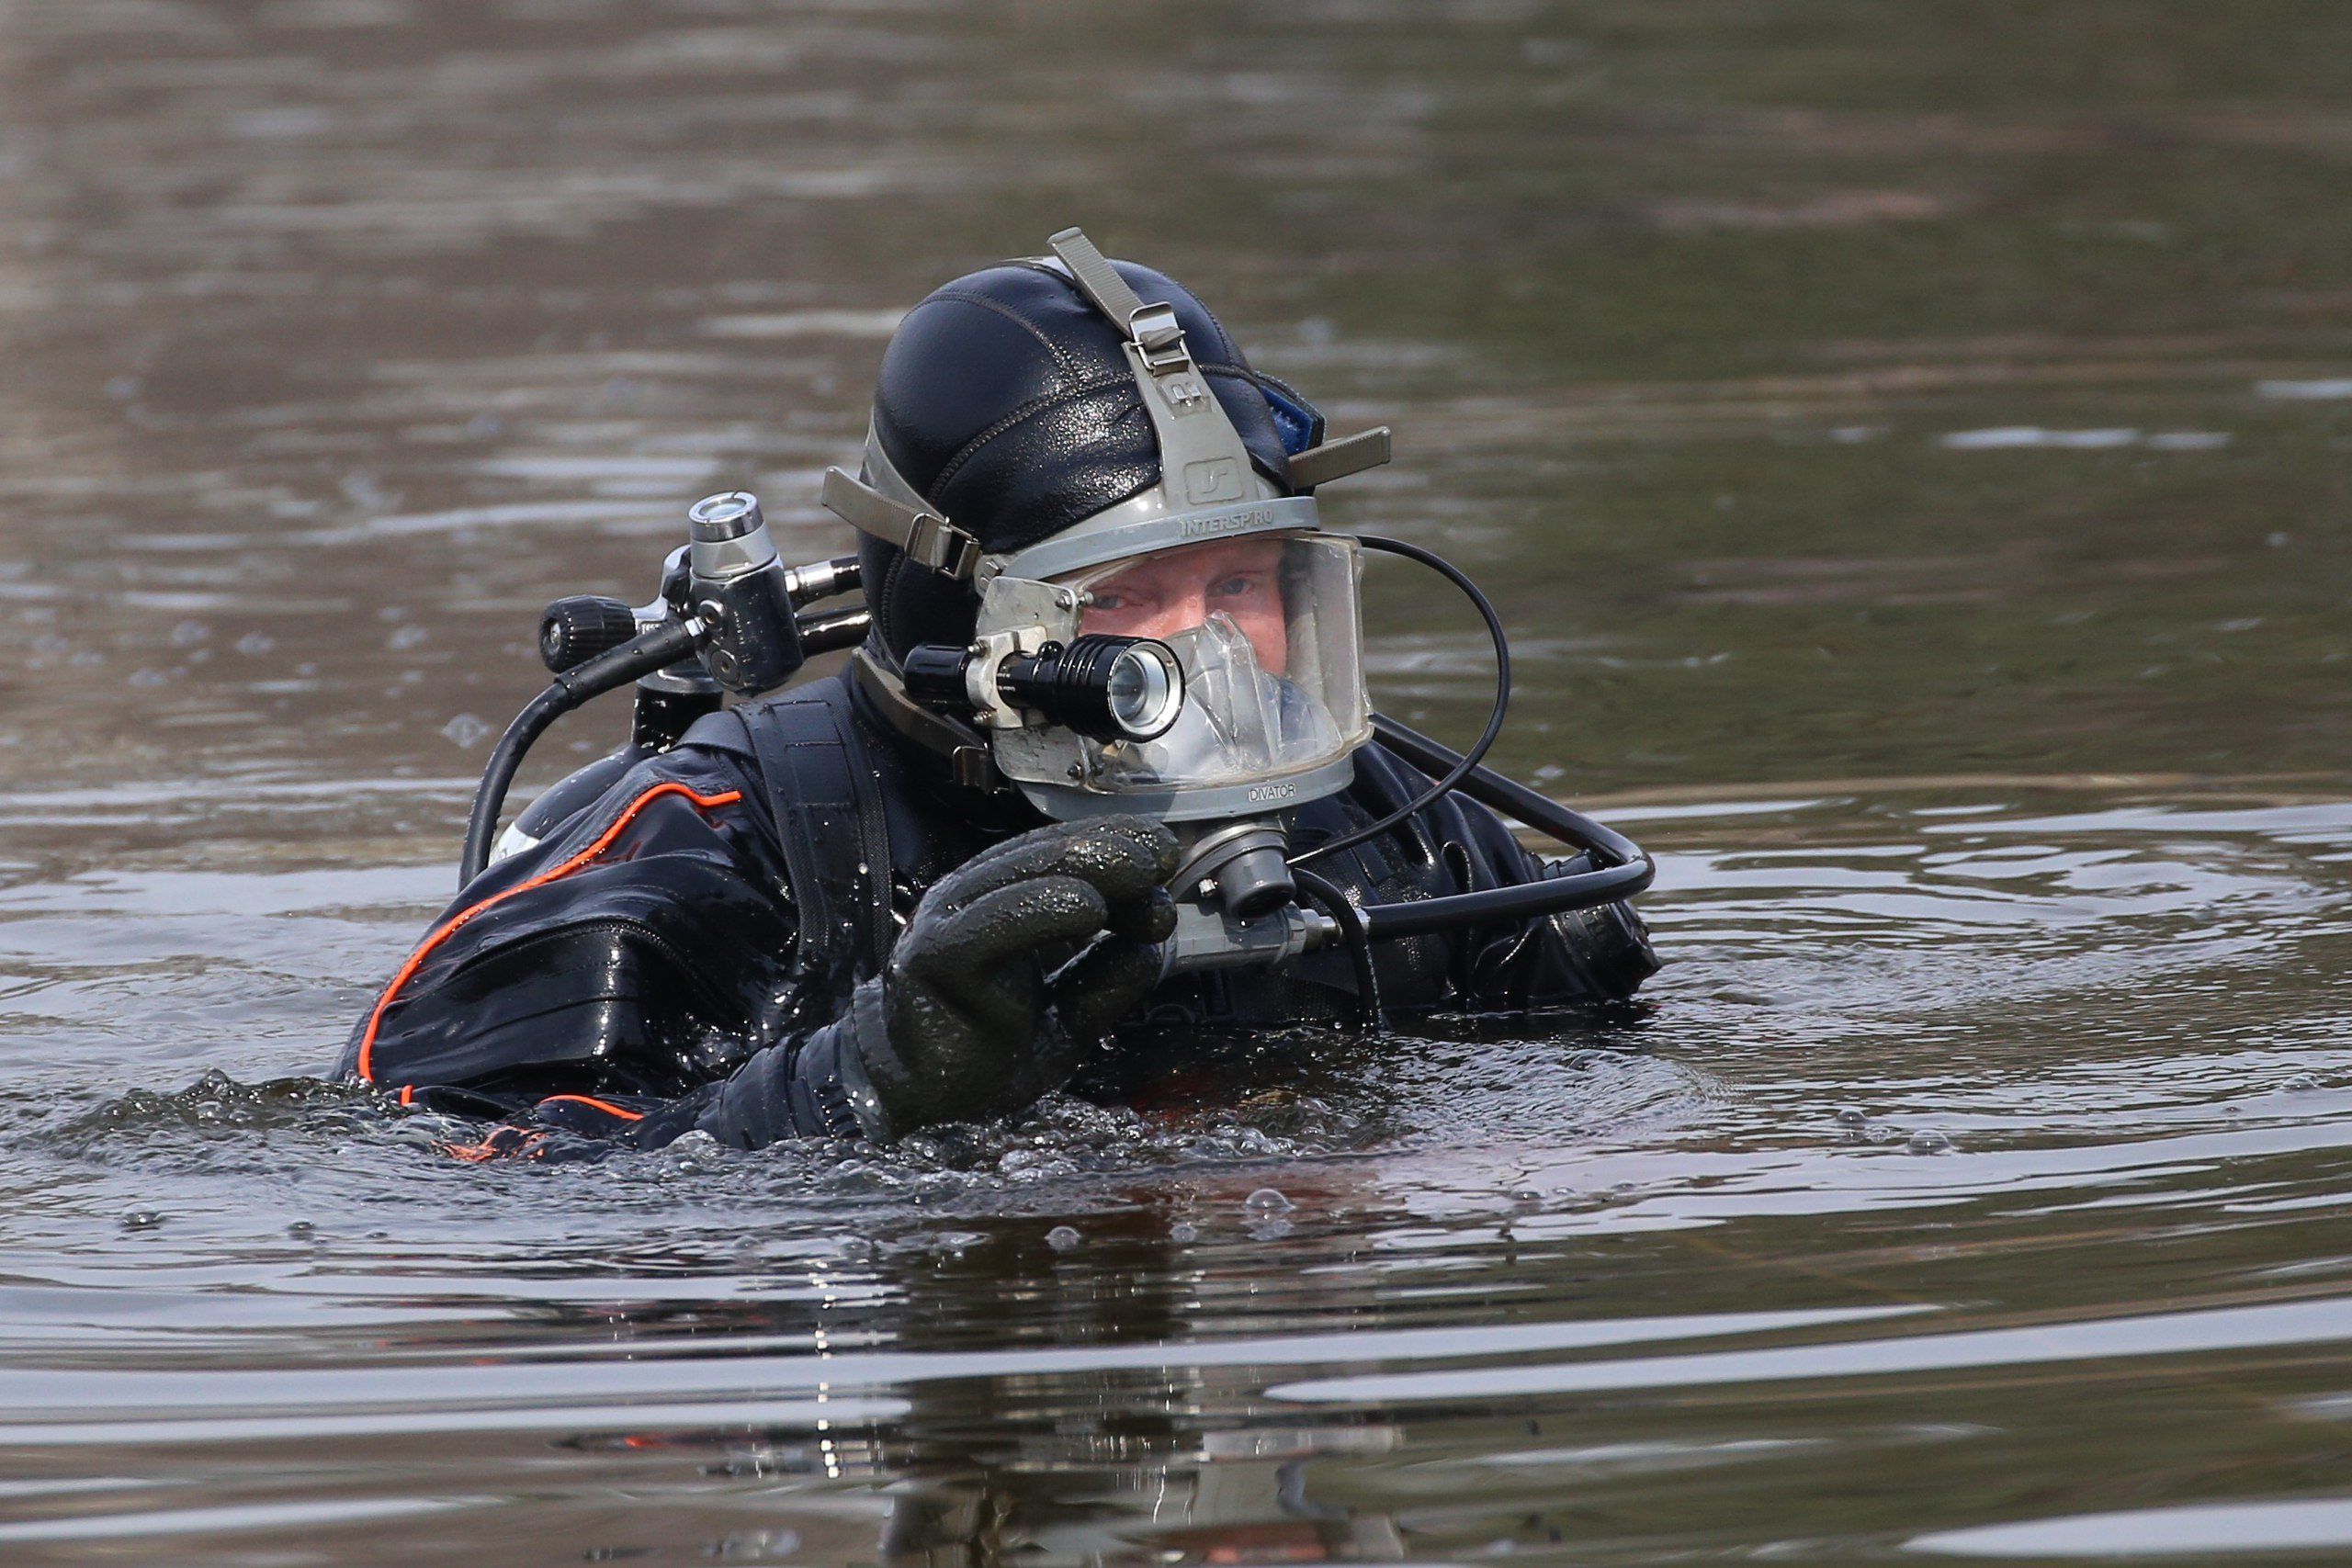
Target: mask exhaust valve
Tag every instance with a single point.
(1244, 870)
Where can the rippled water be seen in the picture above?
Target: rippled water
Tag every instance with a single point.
(1908, 443)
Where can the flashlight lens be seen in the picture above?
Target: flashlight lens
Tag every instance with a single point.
(1145, 691)
(1106, 688)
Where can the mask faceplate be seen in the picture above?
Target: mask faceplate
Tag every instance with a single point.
(1265, 629)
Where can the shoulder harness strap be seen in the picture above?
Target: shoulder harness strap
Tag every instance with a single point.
(829, 816)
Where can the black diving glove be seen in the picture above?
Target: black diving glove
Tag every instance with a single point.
(982, 1008)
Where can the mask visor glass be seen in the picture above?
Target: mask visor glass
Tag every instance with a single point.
(1265, 630)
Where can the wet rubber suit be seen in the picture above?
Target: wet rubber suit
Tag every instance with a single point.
(641, 972)
(808, 917)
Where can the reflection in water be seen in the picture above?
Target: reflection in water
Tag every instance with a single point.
(1909, 452)
(2308, 1525)
(1584, 1302)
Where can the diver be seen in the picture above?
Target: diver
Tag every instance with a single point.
(1101, 765)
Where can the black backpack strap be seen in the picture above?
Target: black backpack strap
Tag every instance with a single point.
(829, 816)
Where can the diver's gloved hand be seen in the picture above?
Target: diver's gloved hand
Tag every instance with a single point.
(981, 1008)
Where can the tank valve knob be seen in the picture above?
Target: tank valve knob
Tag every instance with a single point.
(575, 630)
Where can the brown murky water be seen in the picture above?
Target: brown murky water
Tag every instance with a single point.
(1910, 444)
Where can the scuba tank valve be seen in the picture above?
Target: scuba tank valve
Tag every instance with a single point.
(726, 620)
(738, 587)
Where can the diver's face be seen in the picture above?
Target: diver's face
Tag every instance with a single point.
(1175, 591)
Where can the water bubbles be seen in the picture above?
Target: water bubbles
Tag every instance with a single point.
(1035, 1165)
(2301, 1083)
(1928, 1141)
(692, 1153)
(187, 634)
(1850, 1116)
(466, 731)
(302, 1230)
(1062, 1239)
(143, 1219)
(1268, 1201)
(1183, 1231)
(406, 638)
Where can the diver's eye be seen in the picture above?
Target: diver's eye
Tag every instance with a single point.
(1239, 585)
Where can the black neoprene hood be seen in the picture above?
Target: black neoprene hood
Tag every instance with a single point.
(1007, 400)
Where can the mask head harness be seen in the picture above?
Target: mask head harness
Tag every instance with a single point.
(1189, 651)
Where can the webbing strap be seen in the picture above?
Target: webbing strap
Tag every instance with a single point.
(836, 836)
(1151, 328)
(923, 535)
(966, 750)
(1336, 460)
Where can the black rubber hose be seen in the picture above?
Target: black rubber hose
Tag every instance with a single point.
(641, 654)
(1463, 765)
(1325, 892)
(834, 629)
(1507, 795)
(1525, 900)
(1625, 867)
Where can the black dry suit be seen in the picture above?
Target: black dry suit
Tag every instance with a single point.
(713, 940)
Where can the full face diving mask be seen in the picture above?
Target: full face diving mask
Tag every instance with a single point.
(1191, 653)
(1202, 681)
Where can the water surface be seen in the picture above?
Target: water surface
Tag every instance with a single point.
(1908, 444)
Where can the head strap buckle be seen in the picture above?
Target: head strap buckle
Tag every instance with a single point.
(925, 535)
(1153, 329)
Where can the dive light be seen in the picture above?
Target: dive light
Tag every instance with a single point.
(1105, 688)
